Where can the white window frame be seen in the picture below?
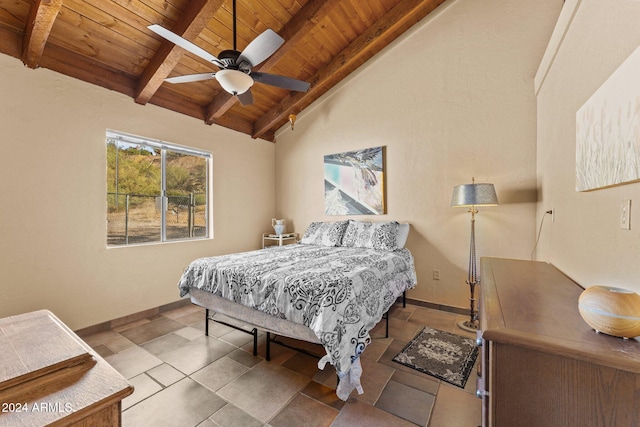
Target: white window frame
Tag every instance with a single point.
(164, 146)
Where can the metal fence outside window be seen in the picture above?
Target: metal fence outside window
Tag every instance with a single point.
(136, 218)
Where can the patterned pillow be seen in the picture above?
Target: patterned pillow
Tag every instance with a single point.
(324, 233)
(380, 236)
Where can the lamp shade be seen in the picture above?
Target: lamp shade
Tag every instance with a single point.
(233, 81)
(474, 195)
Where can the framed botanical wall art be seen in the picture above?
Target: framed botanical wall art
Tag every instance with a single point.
(354, 182)
(608, 131)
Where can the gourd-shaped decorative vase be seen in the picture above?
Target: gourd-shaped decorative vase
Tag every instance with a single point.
(278, 226)
(614, 311)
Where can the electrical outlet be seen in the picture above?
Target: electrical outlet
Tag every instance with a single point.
(436, 274)
(625, 214)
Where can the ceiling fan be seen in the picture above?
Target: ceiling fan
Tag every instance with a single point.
(235, 75)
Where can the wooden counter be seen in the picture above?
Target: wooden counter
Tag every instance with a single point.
(49, 376)
(542, 365)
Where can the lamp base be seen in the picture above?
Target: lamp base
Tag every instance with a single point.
(468, 325)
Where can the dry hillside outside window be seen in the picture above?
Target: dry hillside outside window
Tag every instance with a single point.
(156, 191)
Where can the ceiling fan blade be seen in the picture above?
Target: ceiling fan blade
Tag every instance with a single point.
(246, 98)
(191, 78)
(184, 43)
(260, 48)
(280, 81)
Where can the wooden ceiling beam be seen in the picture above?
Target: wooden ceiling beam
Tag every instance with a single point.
(41, 17)
(391, 25)
(220, 105)
(190, 25)
(73, 64)
(297, 27)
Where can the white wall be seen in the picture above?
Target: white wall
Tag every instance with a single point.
(591, 41)
(53, 171)
(451, 99)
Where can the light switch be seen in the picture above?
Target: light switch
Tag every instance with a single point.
(625, 215)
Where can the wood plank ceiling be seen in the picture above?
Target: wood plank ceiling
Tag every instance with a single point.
(107, 43)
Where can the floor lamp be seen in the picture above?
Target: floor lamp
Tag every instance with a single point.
(470, 196)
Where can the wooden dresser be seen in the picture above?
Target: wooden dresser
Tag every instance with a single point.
(542, 365)
(50, 377)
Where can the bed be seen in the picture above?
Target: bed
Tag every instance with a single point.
(331, 288)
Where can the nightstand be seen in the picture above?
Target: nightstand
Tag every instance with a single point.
(280, 240)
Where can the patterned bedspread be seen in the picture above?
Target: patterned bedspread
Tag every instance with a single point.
(340, 293)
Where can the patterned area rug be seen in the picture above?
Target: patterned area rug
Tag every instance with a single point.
(446, 356)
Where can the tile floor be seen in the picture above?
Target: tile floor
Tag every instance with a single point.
(183, 378)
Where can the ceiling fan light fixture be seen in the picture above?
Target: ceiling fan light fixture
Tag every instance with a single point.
(233, 81)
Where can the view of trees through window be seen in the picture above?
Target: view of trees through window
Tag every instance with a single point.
(137, 212)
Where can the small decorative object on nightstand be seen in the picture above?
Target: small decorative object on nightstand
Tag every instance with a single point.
(281, 239)
(278, 226)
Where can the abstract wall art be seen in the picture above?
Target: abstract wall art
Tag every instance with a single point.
(354, 182)
(608, 131)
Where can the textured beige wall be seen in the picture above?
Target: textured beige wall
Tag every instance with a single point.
(53, 168)
(592, 39)
(450, 100)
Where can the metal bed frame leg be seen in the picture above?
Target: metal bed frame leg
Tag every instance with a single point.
(253, 332)
(255, 341)
(386, 315)
(268, 346)
(386, 334)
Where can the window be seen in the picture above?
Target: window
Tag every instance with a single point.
(156, 191)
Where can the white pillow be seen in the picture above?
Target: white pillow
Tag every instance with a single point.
(402, 234)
